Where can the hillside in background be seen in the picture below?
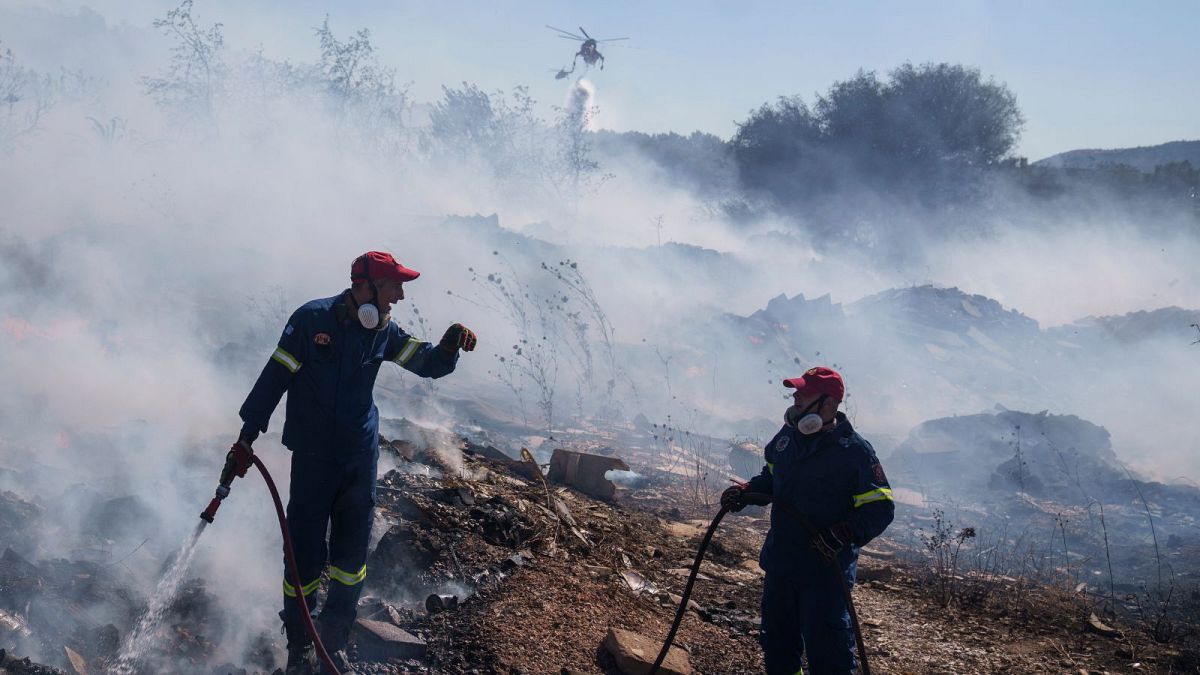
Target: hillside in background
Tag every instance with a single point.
(1141, 158)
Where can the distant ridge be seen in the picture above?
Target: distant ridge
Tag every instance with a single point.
(1141, 158)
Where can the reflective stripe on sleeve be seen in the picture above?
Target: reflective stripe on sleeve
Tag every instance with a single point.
(407, 351)
(876, 495)
(285, 359)
(290, 590)
(338, 574)
(771, 468)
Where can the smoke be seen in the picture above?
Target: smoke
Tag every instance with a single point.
(149, 258)
(628, 479)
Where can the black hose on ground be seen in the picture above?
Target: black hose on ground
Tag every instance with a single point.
(758, 500)
(293, 571)
(687, 590)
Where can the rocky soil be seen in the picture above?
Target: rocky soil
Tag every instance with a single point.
(530, 576)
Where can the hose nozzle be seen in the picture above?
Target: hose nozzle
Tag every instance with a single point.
(209, 513)
(237, 462)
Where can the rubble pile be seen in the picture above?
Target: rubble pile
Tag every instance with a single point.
(493, 564)
(1021, 473)
(70, 615)
(555, 580)
(483, 563)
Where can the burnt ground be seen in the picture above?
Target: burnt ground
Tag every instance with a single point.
(542, 571)
(551, 613)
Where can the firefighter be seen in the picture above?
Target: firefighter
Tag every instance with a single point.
(327, 359)
(820, 470)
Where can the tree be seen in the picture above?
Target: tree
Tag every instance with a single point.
(463, 121)
(925, 131)
(949, 114)
(777, 146)
(25, 97)
(350, 68)
(853, 118)
(195, 76)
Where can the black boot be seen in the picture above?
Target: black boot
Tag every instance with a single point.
(301, 655)
(335, 634)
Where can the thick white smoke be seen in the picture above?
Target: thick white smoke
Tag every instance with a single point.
(147, 264)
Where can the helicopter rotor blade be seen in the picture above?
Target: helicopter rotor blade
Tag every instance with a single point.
(571, 37)
(581, 30)
(564, 32)
(612, 39)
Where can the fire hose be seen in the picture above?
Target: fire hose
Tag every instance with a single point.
(758, 499)
(237, 462)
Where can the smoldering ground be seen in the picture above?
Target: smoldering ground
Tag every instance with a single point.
(158, 228)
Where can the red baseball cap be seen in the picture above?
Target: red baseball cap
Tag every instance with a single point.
(379, 265)
(819, 380)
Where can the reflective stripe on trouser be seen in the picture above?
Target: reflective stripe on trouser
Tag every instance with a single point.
(290, 591)
(325, 495)
(342, 576)
(807, 616)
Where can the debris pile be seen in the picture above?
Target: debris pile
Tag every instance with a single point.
(73, 614)
(487, 563)
(1021, 471)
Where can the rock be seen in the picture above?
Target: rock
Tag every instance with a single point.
(872, 573)
(751, 565)
(399, 552)
(403, 449)
(11, 665)
(78, 664)
(872, 553)
(746, 459)
(685, 572)
(378, 640)
(456, 496)
(512, 562)
(635, 654)
(637, 582)
(1100, 628)
(671, 600)
(13, 627)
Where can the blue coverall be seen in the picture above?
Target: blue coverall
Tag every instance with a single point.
(327, 363)
(830, 477)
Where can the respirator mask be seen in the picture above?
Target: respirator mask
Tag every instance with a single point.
(368, 312)
(805, 421)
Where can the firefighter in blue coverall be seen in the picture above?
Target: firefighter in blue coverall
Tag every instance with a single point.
(817, 468)
(326, 361)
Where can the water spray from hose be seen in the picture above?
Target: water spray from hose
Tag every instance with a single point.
(142, 637)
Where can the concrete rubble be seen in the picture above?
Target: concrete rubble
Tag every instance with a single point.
(635, 654)
(381, 641)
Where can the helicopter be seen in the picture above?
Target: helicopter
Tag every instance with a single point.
(587, 50)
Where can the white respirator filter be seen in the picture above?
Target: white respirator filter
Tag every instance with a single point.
(368, 315)
(806, 424)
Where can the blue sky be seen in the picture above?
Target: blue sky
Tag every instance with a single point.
(1086, 74)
